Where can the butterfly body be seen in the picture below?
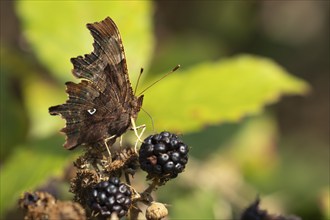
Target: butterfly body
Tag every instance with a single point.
(102, 104)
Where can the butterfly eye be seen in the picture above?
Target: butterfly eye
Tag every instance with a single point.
(91, 111)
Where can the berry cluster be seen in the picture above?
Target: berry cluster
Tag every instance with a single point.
(111, 196)
(163, 155)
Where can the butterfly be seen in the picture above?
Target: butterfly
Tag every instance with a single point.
(102, 106)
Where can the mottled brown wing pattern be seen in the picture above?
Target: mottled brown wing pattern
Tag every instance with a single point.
(101, 105)
(108, 53)
(82, 118)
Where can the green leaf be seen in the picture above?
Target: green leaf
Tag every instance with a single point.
(224, 91)
(39, 94)
(183, 207)
(13, 127)
(30, 166)
(56, 30)
(325, 202)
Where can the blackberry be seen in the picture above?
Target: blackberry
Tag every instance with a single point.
(111, 196)
(163, 155)
(253, 212)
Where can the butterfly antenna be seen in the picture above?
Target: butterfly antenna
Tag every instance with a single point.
(152, 121)
(173, 70)
(138, 81)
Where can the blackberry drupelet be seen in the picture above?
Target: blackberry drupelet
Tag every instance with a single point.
(163, 155)
(111, 196)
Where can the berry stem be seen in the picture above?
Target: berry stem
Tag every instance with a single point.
(128, 181)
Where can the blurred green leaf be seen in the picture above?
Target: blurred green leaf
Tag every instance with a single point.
(223, 91)
(56, 30)
(325, 202)
(29, 166)
(39, 95)
(13, 118)
(200, 207)
(302, 173)
(256, 139)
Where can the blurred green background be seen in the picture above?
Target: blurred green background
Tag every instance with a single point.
(251, 98)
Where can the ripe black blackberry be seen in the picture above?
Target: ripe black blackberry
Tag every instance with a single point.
(163, 155)
(253, 212)
(111, 196)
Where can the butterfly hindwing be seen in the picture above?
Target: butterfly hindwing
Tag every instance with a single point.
(84, 113)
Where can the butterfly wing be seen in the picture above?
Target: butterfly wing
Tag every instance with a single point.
(84, 122)
(108, 53)
(101, 105)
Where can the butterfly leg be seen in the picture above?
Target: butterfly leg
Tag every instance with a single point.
(134, 127)
(121, 141)
(139, 137)
(106, 145)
